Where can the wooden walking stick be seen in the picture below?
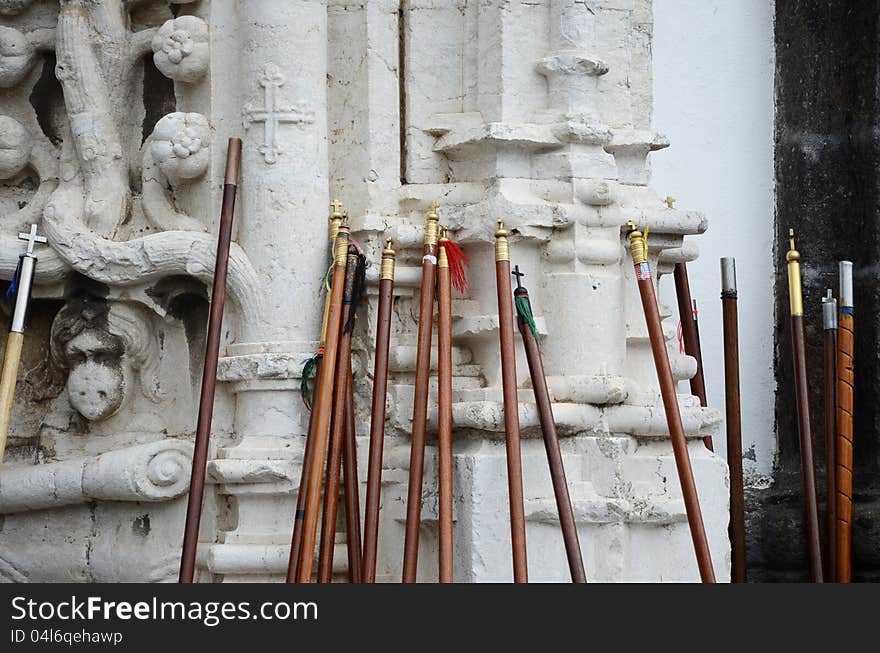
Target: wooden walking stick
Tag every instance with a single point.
(21, 285)
(737, 527)
(420, 402)
(639, 250)
(350, 486)
(377, 416)
(337, 428)
(209, 374)
(829, 325)
(450, 272)
(844, 453)
(322, 409)
(529, 332)
(314, 363)
(802, 395)
(511, 405)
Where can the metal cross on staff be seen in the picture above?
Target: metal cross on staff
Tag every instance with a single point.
(32, 239)
(519, 275)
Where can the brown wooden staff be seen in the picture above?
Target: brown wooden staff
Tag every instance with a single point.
(639, 251)
(844, 453)
(529, 332)
(377, 416)
(444, 402)
(350, 486)
(337, 426)
(336, 219)
(690, 336)
(802, 395)
(737, 528)
(322, 410)
(209, 374)
(511, 405)
(829, 326)
(420, 402)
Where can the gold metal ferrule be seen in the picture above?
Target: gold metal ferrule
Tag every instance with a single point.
(337, 217)
(432, 226)
(442, 258)
(638, 244)
(388, 254)
(340, 246)
(502, 245)
(795, 295)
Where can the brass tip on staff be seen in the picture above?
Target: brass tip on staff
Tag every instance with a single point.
(432, 228)
(388, 254)
(793, 254)
(638, 243)
(502, 245)
(795, 295)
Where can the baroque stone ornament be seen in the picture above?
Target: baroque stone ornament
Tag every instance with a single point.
(15, 147)
(180, 49)
(273, 114)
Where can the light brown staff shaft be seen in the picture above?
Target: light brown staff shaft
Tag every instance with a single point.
(377, 416)
(805, 420)
(551, 445)
(350, 484)
(337, 428)
(829, 325)
(511, 406)
(444, 417)
(322, 409)
(209, 373)
(690, 336)
(336, 219)
(845, 408)
(11, 358)
(420, 401)
(730, 321)
(638, 247)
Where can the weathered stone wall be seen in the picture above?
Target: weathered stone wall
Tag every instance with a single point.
(537, 112)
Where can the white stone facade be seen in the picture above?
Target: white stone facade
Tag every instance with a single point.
(535, 111)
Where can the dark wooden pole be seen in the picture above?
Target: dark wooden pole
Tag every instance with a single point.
(511, 406)
(802, 396)
(209, 374)
(690, 336)
(444, 416)
(548, 429)
(336, 218)
(737, 528)
(829, 326)
(420, 402)
(845, 408)
(322, 408)
(639, 250)
(377, 415)
(337, 428)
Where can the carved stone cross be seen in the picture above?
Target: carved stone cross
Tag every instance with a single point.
(271, 114)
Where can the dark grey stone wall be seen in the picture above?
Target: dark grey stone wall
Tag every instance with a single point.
(827, 170)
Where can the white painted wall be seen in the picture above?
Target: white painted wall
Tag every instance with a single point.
(713, 98)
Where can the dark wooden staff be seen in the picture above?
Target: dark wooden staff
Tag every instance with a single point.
(802, 395)
(377, 416)
(511, 405)
(209, 374)
(420, 402)
(322, 409)
(845, 407)
(690, 336)
(350, 485)
(444, 403)
(337, 426)
(829, 326)
(639, 251)
(336, 219)
(528, 331)
(737, 528)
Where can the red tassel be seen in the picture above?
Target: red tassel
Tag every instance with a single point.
(457, 264)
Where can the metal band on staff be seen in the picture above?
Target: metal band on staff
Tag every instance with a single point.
(802, 395)
(511, 405)
(639, 249)
(22, 283)
(737, 527)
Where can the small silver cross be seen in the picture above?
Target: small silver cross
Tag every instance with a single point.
(32, 238)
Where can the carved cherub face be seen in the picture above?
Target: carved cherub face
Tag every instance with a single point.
(98, 378)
